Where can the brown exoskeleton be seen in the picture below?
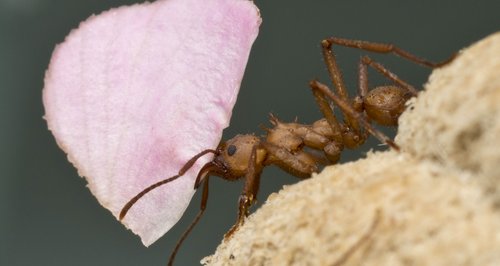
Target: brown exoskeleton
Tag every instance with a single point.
(290, 145)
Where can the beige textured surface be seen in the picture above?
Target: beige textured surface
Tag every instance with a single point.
(430, 199)
(429, 216)
(456, 120)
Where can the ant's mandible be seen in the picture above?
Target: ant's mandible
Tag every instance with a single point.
(244, 156)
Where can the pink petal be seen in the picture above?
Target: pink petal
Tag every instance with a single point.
(135, 92)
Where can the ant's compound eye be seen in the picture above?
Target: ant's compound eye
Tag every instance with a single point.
(231, 149)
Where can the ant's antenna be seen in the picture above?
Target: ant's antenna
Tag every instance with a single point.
(183, 170)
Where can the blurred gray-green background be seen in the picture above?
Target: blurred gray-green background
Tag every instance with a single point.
(49, 217)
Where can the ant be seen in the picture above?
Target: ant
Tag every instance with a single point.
(284, 145)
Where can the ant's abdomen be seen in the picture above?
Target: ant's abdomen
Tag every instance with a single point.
(385, 104)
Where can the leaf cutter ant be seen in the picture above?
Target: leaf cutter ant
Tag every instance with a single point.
(291, 146)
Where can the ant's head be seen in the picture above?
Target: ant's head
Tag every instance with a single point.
(230, 162)
(232, 158)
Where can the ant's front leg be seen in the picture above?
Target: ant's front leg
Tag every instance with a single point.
(250, 190)
(300, 164)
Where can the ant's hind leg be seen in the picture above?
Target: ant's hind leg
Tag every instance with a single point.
(363, 79)
(384, 48)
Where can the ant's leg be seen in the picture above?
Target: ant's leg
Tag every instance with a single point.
(347, 109)
(327, 111)
(384, 48)
(300, 163)
(249, 195)
(204, 199)
(338, 82)
(363, 239)
(362, 80)
(357, 102)
(334, 70)
(349, 135)
(318, 136)
(367, 61)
